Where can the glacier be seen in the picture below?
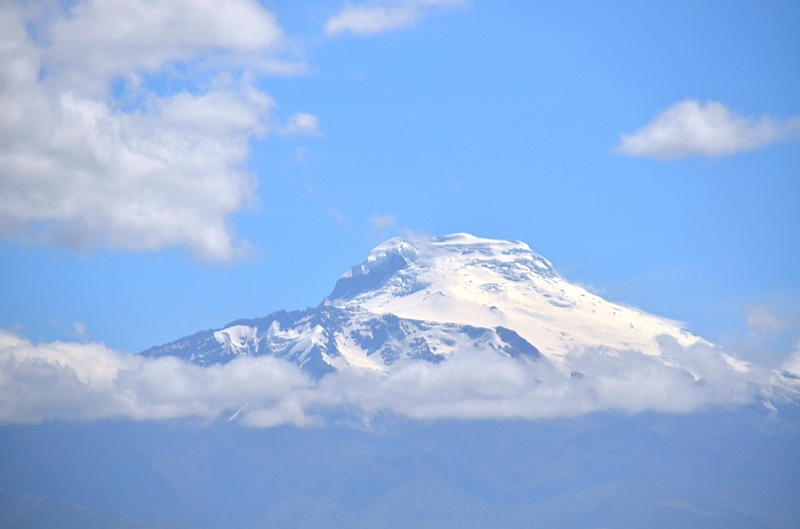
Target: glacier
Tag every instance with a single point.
(473, 328)
(432, 299)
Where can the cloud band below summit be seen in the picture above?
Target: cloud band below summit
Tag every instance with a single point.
(71, 381)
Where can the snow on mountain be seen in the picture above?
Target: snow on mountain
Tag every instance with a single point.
(426, 298)
(423, 328)
(467, 280)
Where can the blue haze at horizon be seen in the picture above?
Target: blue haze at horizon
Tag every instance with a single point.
(719, 468)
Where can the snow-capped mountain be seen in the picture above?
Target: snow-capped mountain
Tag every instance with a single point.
(431, 298)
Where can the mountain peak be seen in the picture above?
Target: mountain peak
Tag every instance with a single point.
(419, 297)
(467, 280)
(402, 261)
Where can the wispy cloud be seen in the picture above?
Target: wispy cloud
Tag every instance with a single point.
(762, 320)
(381, 222)
(339, 217)
(79, 328)
(80, 168)
(371, 19)
(72, 381)
(692, 128)
(792, 363)
(302, 124)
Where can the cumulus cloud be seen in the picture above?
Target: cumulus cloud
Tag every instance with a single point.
(482, 385)
(81, 166)
(90, 381)
(692, 128)
(74, 381)
(104, 38)
(371, 19)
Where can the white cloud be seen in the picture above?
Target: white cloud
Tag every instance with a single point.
(377, 18)
(482, 385)
(104, 38)
(90, 381)
(792, 363)
(692, 128)
(72, 381)
(80, 168)
(765, 322)
(302, 124)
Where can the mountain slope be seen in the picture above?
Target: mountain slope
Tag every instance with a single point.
(430, 298)
(472, 281)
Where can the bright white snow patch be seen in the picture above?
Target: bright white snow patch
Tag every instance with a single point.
(238, 339)
(487, 283)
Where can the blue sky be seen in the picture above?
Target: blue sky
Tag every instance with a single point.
(239, 165)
